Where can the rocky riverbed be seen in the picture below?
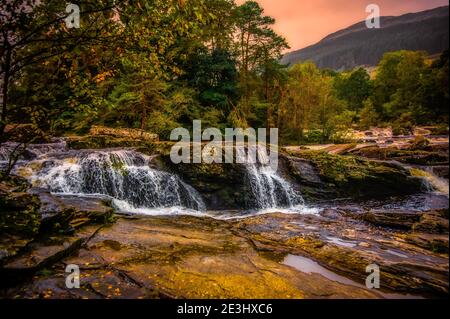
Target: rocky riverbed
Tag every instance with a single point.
(356, 210)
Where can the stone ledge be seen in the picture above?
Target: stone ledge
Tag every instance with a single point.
(124, 133)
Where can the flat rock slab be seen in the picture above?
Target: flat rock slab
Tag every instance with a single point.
(182, 257)
(53, 204)
(189, 257)
(68, 212)
(347, 246)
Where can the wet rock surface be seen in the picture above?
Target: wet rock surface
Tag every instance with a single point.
(341, 243)
(38, 228)
(189, 257)
(348, 176)
(183, 257)
(418, 152)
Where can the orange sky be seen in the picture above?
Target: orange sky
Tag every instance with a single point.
(305, 22)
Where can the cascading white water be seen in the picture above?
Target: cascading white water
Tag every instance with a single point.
(431, 181)
(127, 177)
(269, 189)
(123, 175)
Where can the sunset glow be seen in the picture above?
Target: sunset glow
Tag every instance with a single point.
(306, 22)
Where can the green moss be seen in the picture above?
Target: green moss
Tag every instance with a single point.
(355, 177)
(119, 166)
(100, 142)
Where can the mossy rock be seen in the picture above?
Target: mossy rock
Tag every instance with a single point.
(222, 186)
(106, 141)
(65, 214)
(100, 142)
(353, 177)
(19, 214)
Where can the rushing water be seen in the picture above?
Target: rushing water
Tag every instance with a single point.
(431, 181)
(269, 189)
(127, 177)
(124, 175)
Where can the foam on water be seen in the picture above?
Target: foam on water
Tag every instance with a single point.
(123, 175)
(127, 178)
(269, 189)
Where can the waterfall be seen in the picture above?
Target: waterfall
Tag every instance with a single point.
(124, 175)
(268, 188)
(431, 181)
(127, 177)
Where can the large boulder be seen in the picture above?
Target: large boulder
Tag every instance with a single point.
(128, 133)
(66, 213)
(351, 177)
(27, 215)
(222, 186)
(419, 153)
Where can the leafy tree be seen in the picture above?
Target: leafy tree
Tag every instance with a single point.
(214, 76)
(397, 84)
(434, 93)
(354, 87)
(33, 32)
(298, 99)
(368, 116)
(134, 98)
(218, 31)
(257, 44)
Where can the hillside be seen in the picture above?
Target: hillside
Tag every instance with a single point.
(357, 45)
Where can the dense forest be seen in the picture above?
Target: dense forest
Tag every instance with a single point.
(157, 65)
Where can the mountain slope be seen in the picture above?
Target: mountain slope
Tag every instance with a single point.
(358, 45)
